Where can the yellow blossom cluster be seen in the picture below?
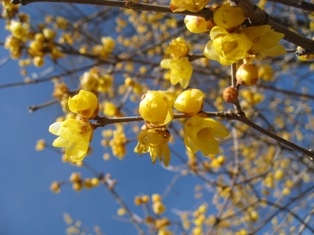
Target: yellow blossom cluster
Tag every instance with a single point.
(231, 42)
(74, 135)
(36, 44)
(180, 67)
(200, 132)
(118, 142)
(9, 10)
(96, 81)
(106, 47)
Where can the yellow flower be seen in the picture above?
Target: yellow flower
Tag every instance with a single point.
(189, 5)
(228, 17)
(85, 103)
(156, 107)
(154, 141)
(307, 57)
(200, 133)
(19, 30)
(180, 70)
(177, 48)
(40, 145)
(227, 48)
(197, 24)
(266, 72)
(252, 97)
(118, 142)
(265, 40)
(158, 208)
(110, 109)
(74, 136)
(164, 231)
(190, 102)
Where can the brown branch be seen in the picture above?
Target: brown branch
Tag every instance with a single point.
(57, 76)
(256, 15)
(128, 4)
(231, 115)
(118, 198)
(244, 119)
(307, 6)
(286, 92)
(306, 43)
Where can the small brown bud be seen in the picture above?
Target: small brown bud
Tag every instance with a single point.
(230, 94)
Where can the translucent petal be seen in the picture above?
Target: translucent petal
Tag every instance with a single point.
(60, 142)
(210, 52)
(217, 32)
(208, 146)
(275, 51)
(165, 63)
(166, 154)
(55, 127)
(263, 37)
(219, 130)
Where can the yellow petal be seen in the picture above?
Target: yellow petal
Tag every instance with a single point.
(55, 127)
(217, 32)
(210, 52)
(275, 51)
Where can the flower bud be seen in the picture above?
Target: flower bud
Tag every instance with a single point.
(228, 17)
(230, 94)
(247, 74)
(85, 103)
(190, 102)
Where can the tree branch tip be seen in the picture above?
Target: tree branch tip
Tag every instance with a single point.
(16, 2)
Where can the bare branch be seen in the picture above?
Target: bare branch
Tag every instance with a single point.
(307, 6)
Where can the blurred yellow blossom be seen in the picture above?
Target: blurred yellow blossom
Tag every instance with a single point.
(40, 145)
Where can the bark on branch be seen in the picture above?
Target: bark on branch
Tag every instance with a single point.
(255, 14)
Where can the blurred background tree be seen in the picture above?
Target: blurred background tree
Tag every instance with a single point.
(259, 182)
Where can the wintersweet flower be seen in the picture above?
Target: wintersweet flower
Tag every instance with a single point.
(156, 107)
(200, 134)
(85, 104)
(178, 48)
(73, 135)
(189, 5)
(227, 48)
(155, 141)
(197, 24)
(190, 102)
(228, 17)
(180, 70)
(265, 40)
